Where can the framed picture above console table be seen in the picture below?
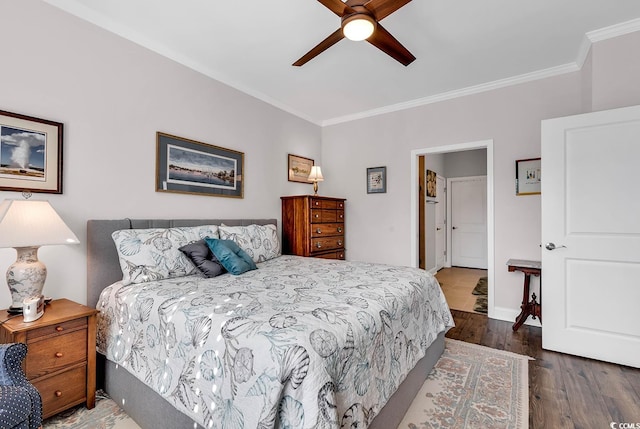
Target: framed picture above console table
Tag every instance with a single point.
(313, 226)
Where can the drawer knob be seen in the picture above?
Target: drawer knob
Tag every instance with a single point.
(317, 203)
(58, 393)
(318, 231)
(339, 229)
(341, 216)
(317, 216)
(318, 245)
(339, 243)
(59, 328)
(58, 354)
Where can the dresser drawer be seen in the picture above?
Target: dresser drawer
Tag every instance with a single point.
(326, 204)
(327, 243)
(331, 255)
(323, 216)
(62, 390)
(51, 354)
(327, 229)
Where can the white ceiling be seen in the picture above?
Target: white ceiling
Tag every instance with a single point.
(461, 46)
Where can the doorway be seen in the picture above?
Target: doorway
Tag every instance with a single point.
(416, 220)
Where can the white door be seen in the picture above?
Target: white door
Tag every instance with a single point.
(469, 221)
(441, 207)
(591, 214)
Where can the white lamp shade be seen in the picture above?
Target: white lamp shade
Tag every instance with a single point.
(358, 28)
(316, 174)
(25, 223)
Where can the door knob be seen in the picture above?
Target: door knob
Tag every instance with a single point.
(552, 246)
(455, 227)
(438, 229)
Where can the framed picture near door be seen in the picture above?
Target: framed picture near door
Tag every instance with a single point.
(528, 176)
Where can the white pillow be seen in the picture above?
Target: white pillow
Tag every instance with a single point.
(153, 254)
(259, 241)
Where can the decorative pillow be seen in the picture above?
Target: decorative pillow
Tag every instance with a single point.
(259, 241)
(153, 254)
(233, 258)
(202, 257)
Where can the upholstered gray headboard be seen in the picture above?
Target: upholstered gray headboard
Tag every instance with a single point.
(103, 267)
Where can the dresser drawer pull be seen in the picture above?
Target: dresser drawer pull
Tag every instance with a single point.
(317, 203)
(339, 243)
(339, 229)
(318, 231)
(58, 393)
(59, 328)
(317, 216)
(340, 215)
(318, 245)
(58, 354)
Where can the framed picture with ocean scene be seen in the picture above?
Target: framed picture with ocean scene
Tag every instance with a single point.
(30, 154)
(190, 167)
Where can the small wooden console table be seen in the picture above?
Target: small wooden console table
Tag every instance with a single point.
(533, 307)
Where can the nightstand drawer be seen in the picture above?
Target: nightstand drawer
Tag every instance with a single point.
(57, 329)
(63, 390)
(51, 354)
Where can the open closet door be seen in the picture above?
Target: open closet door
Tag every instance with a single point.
(591, 235)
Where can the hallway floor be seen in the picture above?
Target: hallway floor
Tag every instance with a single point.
(457, 284)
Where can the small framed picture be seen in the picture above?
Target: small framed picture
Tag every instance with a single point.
(431, 184)
(30, 154)
(528, 176)
(189, 167)
(299, 168)
(376, 180)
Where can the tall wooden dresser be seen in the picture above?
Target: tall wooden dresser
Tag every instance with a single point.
(313, 226)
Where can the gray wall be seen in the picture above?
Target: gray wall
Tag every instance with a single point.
(510, 117)
(113, 96)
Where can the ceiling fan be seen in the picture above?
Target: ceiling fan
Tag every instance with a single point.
(360, 21)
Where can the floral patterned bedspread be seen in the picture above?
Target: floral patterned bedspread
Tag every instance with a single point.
(298, 343)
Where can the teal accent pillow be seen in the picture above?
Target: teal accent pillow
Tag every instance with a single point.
(233, 258)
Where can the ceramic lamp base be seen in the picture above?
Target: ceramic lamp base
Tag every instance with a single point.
(26, 276)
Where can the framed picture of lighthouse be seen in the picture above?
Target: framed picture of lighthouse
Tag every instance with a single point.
(30, 154)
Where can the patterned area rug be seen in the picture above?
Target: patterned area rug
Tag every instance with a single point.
(470, 387)
(473, 386)
(106, 415)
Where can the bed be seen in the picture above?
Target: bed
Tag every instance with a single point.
(296, 343)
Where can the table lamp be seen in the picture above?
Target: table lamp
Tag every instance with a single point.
(26, 225)
(315, 176)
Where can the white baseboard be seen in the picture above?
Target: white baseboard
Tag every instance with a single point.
(510, 315)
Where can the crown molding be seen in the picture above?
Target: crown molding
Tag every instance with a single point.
(476, 89)
(583, 51)
(614, 31)
(87, 14)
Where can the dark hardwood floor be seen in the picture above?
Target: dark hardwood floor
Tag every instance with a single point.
(564, 391)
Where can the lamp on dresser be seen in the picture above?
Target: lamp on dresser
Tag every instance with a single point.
(26, 225)
(315, 176)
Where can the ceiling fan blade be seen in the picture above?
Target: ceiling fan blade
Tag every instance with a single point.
(388, 44)
(383, 8)
(337, 7)
(333, 38)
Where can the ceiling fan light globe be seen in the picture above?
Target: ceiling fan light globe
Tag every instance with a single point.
(358, 27)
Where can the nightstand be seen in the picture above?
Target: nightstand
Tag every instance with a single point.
(61, 357)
